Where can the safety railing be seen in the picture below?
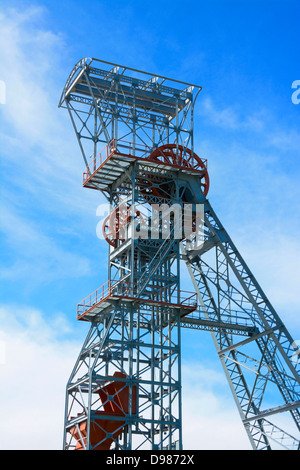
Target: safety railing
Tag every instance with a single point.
(158, 294)
(135, 150)
(232, 318)
(116, 146)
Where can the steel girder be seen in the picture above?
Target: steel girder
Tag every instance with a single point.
(144, 345)
(261, 370)
(108, 104)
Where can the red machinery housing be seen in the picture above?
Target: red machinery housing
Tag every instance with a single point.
(170, 155)
(111, 420)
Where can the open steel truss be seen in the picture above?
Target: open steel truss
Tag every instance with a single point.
(262, 370)
(137, 347)
(109, 102)
(135, 132)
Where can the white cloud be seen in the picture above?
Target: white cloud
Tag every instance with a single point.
(42, 179)
(30, 55)
(275, 256)
(41, 158)
(40, 152)
(263, 127)
(226, 117)
(40, 353)
(38, 360)
(210, 417)
(256, 196)
(230, 118)
(285, 140)
(36, 256)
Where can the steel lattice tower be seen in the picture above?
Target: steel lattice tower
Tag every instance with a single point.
(135, 132)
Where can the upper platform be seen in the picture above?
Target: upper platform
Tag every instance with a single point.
(111, 291)
(114, 159)
(109, 102)
(98, 79)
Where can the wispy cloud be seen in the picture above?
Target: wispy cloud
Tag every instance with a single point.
(40, 153)
(209, 411)
(36, 257)
(256, 199)
(230, 118)
(255, 192)
(28, 73)
(261, 127)
(39, 356)
(285, 140)
(41, 183)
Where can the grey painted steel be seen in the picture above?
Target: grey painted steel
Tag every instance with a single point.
(132, 113)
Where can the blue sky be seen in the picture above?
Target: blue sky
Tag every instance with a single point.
(245, 55)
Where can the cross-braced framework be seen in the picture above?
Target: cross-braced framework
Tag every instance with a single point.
(126, 382)
(109, 102)
(262, 370)
(125, 389)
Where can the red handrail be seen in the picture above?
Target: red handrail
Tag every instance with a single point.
(116, 288)
(132, 149)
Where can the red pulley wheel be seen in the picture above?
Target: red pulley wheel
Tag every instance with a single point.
(181, 157)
